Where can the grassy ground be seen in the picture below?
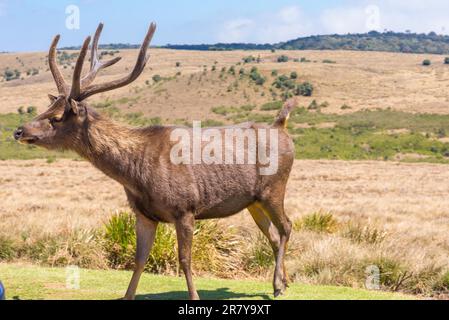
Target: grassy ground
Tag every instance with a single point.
(363, 135)
(31, 282)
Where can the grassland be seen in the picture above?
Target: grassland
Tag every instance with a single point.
(348, 215)
(36, 283)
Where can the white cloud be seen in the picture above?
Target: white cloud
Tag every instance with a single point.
(350, 17)
(397, 15)
(285, 24)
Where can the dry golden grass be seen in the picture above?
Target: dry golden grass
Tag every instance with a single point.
(405, 203)
(358, 79)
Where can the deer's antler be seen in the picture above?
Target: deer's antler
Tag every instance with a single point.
(142, 59)
(95, 64)
(57, 75)
(82, 88)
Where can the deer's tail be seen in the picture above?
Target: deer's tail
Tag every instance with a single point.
(282, 119)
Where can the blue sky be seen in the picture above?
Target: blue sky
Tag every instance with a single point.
(29, 25)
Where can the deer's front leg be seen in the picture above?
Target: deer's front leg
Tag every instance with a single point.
(145, 232)
(184, 232)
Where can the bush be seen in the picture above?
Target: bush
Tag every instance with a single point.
(294, 75)
(446, 60)
(426, 62)
(157, 78)
(215, 249)
(274, 73)
(7, 249)
(305, 89)
(260, 256)
(317, 222)
(21, 110)
(178, 64)
(363, 234)
(31, 110)
(249, 59)
(282, 58)
(231, 70)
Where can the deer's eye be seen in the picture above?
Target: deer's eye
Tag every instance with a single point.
(55, 120)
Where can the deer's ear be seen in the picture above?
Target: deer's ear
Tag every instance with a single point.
(52, 98)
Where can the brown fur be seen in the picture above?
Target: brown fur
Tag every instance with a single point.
(160, 191)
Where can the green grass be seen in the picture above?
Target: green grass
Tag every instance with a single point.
(10, 149)
(361, 135)
(36, 283)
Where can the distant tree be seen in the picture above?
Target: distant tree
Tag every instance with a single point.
(282, 58)
(305, 89)
(31, 110)
(157, 78)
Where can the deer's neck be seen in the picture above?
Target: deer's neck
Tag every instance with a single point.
(112, 148)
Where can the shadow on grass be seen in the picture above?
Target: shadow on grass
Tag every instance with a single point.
(218, 294)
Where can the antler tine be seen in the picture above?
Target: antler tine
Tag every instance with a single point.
(142, 59)
(95, 64)
(57, 75)
(76, 81)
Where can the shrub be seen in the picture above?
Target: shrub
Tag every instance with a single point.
(7, 249)
(363, 234)
(305, 89)
(260, 255)
(282, 58)
(21, 110)
(294, 75)
(329, 61)
(249, 59)
(274, 73)
(31, 110)
(446, 60)
(317, 222)
(157, 78)
(232, 70)
(260, 81)
(215, 249)
(178, 64)
(426, 62)
(242, 71)
(120, 240)
(313, 105)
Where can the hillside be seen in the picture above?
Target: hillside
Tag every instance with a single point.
(371, 41)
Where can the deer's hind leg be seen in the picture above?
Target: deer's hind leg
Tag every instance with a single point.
(278, 233)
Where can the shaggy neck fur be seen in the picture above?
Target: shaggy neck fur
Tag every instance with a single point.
(112, 148)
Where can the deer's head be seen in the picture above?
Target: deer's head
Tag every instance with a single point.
(67, 116)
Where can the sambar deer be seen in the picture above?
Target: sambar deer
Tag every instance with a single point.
(159, 190)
